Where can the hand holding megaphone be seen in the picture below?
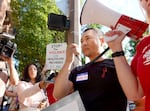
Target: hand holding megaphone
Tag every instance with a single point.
(95, 12)
(119, 27)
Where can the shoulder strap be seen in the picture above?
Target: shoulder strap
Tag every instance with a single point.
(93, 61)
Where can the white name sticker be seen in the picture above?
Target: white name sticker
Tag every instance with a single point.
(82, 76)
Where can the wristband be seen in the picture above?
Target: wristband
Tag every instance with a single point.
(117, 54)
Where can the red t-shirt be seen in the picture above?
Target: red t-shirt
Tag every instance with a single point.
(49, 90)
(141, 67)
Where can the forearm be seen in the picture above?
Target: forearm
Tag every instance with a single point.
(24, 90)
(14, 78)
(62, 85)
(10, 94)
(129, 82)
(127, 79)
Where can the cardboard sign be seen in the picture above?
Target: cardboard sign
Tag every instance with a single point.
(55, 55)
(71, 102)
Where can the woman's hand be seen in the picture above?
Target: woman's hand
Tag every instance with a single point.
(43, 104)
(9, 60)
(43, 84)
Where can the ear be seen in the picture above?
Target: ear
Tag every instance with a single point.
(101, 41)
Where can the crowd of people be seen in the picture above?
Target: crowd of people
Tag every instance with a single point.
(28, 93)
(103, 83)
(134, 79)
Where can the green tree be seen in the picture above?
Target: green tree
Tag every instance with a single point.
(130, 47)
(29, 17)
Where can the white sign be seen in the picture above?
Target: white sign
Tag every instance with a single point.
(55, 55)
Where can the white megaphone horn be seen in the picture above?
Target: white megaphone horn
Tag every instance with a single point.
(94, 12)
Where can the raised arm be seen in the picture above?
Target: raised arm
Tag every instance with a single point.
(127, 79)
(62, 85)
(14, 77)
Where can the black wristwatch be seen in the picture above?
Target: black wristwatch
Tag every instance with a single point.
(117, 54)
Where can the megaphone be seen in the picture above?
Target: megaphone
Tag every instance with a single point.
(94, 12)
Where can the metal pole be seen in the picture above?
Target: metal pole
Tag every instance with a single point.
(74, 32)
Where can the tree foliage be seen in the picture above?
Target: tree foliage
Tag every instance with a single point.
(130, 48)
(30, 20)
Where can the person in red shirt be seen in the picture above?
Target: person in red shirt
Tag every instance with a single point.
(50, 88)
(134, 79)
(140, 105)
(49, 91)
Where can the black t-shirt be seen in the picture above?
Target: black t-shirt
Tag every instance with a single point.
(99, 87)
